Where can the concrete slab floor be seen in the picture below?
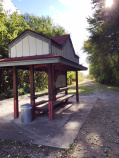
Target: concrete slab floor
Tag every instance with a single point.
(61, 132)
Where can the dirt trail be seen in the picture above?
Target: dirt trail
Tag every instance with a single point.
(99, 136)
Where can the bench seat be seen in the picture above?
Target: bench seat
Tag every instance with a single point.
(63, 98)
(59, 90)
(40, 95)
(43, 105)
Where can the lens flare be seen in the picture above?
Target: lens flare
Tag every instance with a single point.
(108, 3)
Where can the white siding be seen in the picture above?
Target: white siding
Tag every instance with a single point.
(45, 48)
(19, 49)
(32, 44)
(56, 51)
(13, 50)
(66, 52)
(26, 46)
(39, 47)
(29, 46)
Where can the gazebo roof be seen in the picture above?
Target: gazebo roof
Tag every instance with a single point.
(26, 50)
(42, 59)
(60, 39)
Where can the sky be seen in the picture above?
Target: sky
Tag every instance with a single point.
(70, 14)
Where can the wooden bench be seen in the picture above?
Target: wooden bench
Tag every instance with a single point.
(63, 98)
(40, 95)
(59, 90)
(43, 104)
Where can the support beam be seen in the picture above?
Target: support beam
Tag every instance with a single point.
(50, 91)
(15, 92)
(77, 93)
(32, 90)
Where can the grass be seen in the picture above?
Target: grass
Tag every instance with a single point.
(74, 83)
(43, 91)
(81, 90)
(113, 88)
(101, 87)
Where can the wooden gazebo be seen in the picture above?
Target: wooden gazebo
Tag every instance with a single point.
(34, 52)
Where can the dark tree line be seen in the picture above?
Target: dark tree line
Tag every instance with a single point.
(103, 43)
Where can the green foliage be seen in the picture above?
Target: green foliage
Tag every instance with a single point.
(81, 77)
(81, 90)
(10, 27)
(43, 25)
(103, 43)
(6, 83)
(89, 76)
(41, 81)
(71, 76)
(21, 91)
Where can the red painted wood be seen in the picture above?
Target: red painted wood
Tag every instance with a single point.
(54, 81)
(32, 90)
(50, 91)
(29, 58)
(15, 92)
(77, 93)
(16, 109)
(51, 112)
(66, 92)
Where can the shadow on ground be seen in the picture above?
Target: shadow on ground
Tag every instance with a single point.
(60, 132)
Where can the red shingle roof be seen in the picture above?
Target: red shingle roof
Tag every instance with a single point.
(60, 39)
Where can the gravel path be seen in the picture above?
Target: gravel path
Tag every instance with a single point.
(99, 136)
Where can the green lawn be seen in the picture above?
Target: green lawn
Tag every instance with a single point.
(74, 83)
(81, 90)
(102, 86)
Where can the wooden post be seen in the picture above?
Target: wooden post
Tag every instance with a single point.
(50, 91)
(15, 91)
(77, 93)
(32, 90)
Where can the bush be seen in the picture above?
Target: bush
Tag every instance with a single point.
(71, 76)
(21, 91)
(26, 88)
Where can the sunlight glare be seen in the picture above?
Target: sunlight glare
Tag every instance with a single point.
(108, 3)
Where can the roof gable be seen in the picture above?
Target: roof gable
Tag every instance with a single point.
(60, 39)
(31, 43)
(29, 32)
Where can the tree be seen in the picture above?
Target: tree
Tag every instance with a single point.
(10, 27)
(103, 43)
(44, 25)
